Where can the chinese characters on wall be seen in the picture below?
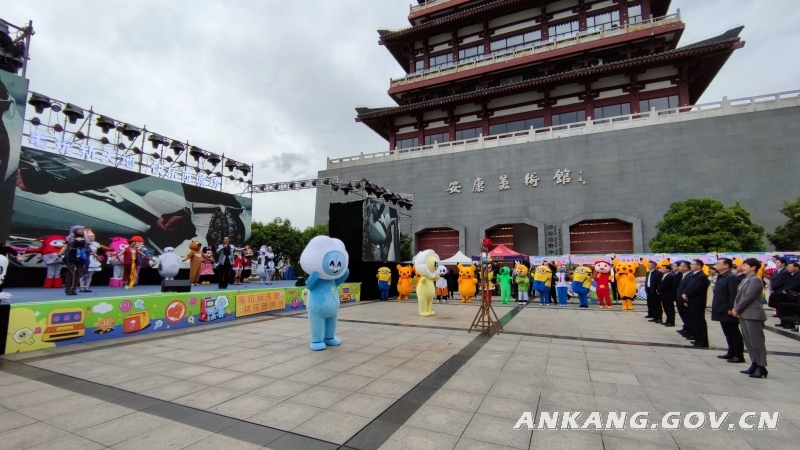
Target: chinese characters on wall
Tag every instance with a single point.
(561, 177)
(107, 154)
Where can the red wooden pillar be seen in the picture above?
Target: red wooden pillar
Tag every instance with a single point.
(581, 16)
(392, 140)
(645, 9)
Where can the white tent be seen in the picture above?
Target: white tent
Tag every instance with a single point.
(458, 258)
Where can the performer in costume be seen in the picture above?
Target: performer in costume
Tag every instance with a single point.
(504, 279)
(3, 271)
(95, 260)
(602, 275)
(325, 261)
(168, 264)
(441, 286)
(467, 283)
(248, 264)
(625, 275)
(207, 266)
(50, 251)
(426, 265)
(542, 281)
(384, 281)
(195, 259)
(269, 269)
(131, 259)
(117, 246)
(562, 285)
(581, 284)
(404, 284)
(261, 270)
(238, 266)
(224, 255)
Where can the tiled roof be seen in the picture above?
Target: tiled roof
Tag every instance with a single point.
(723, 40)
(387, 35)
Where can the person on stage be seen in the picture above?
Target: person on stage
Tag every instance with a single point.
(95, 261)
(76, 256)
(269, 267)
(224, 262)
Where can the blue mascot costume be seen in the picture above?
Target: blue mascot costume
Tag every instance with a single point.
(325, 261)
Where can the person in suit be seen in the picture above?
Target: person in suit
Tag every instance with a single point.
(224, 262)
(695, 298)
(747, 308)
(725, 291)
(790, 306)
(651, 284)
(666, 293)
(777, 282)
(682, 278)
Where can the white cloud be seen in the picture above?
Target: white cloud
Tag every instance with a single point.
(102, 308)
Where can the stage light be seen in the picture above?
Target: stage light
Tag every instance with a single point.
(196, 169)
(240, 180)
(369, 187)
(218, 174)
(230, 164)
(73, 113)
(394, 198)
(207, 172)
(335, 187)
(230, 177)
(39, 102)
(196, 153)
(276, 186)
(314, 183)
(58, 128)
(358, 185)
(244, 168)
(248, 182)
(121, 146)
(213, 159)
(177, 147)
(130, 132)
(378, 191)
(105, 140)
(291, 185)
(80, 135)
(326, 182)
(168, 159)
(56, 107)
(137, 150)
(36, 122)
(156, 140)
(155, 155)
(387, 195)
(104, 123)
(182, 164)
(346, 188)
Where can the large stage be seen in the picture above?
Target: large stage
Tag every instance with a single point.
(25, 295)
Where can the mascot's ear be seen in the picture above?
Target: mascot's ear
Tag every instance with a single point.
(460, 267)
(399, 267)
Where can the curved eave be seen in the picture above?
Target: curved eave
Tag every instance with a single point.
(720, 51)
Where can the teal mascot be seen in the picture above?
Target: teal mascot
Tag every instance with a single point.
(325, 261)
(504, 279)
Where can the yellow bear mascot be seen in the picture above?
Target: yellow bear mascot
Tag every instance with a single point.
(624, 273)
(426, 264)
(404, 284)
(467, 283)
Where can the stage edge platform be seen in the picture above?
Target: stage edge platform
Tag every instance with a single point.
(39, 325)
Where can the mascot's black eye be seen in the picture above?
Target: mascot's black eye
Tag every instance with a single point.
(332, 264)
(339, 264)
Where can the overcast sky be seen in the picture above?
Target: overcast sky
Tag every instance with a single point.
(275, 83)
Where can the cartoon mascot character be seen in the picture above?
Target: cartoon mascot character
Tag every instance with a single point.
(426, 264)
(325, 261)
(467, 283)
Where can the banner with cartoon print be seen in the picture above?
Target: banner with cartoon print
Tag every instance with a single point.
(41, 325)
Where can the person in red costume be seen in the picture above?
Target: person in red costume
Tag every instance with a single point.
(50, 249)
(602, 275)
(132, 258)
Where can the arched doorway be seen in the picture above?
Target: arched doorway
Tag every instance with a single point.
(443, 241)
(601, 236)
(519, 237)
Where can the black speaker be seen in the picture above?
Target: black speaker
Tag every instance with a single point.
(176, 286)
(5, 312)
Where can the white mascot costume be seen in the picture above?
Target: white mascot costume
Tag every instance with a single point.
(3, 271)
(168, 268)
(325, 261)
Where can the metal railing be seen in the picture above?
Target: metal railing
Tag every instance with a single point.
(591, 126)
(427, 4)
(537, 48)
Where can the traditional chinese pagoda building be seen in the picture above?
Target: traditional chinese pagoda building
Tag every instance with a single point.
(564, 127)
(488, 67)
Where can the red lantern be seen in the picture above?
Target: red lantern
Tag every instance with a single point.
(487, 242)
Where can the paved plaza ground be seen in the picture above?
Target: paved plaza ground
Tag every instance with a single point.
(398, 381)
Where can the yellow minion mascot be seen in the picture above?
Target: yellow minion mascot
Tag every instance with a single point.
(542, 280)
(582, 284)
(426, 264)
(384, 281)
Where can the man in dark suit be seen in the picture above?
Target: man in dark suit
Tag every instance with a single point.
(777, 282)
(695, 298)
(725, 291)
(666, 293)
(682, 277)
(790, 306)
(651, 288)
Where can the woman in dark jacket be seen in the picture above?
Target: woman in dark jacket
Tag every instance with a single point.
(748, 309)
(452, 282)
(553, 281)
(725, 290)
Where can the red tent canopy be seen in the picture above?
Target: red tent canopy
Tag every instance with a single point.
(503, 253)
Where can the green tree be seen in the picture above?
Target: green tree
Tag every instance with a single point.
(287, 241)
(705, 225)
(787, 237)
(405, 247)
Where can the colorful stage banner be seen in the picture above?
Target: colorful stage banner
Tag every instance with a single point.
(41, 325)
